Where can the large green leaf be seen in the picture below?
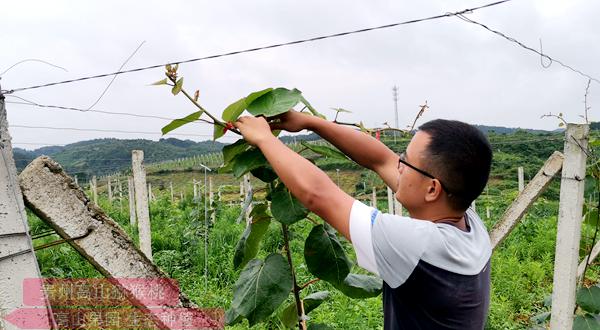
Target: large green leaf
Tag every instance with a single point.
(182, 121)
(360, 286)
(247, 161)
(289, 316)
(234, 110)
(325, 257)
(586, 322)
(275, 102)
(230, 151)
(325, 150)
(247, 246)
(589, 299)
(261, 288)
(285, 207)
(264, 174)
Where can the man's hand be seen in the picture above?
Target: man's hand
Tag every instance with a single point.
(254, 129)
(292, 121)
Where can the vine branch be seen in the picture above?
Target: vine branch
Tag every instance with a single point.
(296, 288)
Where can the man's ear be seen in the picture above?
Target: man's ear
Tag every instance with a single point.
(434, 191)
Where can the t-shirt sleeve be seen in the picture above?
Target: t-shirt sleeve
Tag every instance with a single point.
(361, 218)
(398, 244)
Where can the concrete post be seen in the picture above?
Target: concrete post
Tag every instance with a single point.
(390, 200)
(211, 198)
(14, 233)
(130, 188)
(109, 187)
(374, 198)
(568, 234)
(141, 201)
(95, 189)
(521, 178)
(521, 204)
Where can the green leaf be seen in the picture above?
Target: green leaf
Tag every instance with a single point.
(311, 108)
(289, 316)
(160, 82)
(540, 318)
(178, 85)
(275, 102)
(589, 299)
(325, 150)
(247, 246)
(247, 161)
(360, 286)
(181, 121)
(264, 174)
(261, 288)
(232, 317)
(285, 207)
(234, 110)
(325, 257)
(586, 322)
(230, 151)
(218, 131)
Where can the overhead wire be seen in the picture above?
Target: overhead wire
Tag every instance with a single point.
(109, 130)
(255, 49)
(515, 41)
(35, 104)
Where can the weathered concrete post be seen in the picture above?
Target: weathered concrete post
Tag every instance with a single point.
(397, 207)
(141, 201)
(195, 185)
(211, 198)
(150, 196)
(109, 187)
(568, 234)
(171, 188)
(131, 189)
(390, 200)
(374, 198)
(14, 234)
(521, 177)
(525, 199)
(95, 189)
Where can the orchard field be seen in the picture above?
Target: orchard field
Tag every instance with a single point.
(522, 267)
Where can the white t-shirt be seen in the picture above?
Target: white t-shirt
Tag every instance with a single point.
(391, 246)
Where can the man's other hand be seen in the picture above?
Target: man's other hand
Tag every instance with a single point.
(254, 129)
(292, 121)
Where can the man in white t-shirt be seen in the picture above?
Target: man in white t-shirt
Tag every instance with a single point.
(434, 262)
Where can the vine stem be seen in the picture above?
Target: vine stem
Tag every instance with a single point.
(296, 288)
(315, 280)
(216, 121)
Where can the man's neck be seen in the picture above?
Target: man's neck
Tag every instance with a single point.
(440, 214)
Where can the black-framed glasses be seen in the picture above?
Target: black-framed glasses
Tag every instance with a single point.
(402, 160)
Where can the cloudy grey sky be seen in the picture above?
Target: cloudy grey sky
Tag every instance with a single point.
(462, 70)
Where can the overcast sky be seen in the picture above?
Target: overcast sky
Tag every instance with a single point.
(463, 71)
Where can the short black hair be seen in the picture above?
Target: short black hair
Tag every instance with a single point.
(460, 156)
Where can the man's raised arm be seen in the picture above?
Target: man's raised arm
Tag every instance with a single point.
(361, 147)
